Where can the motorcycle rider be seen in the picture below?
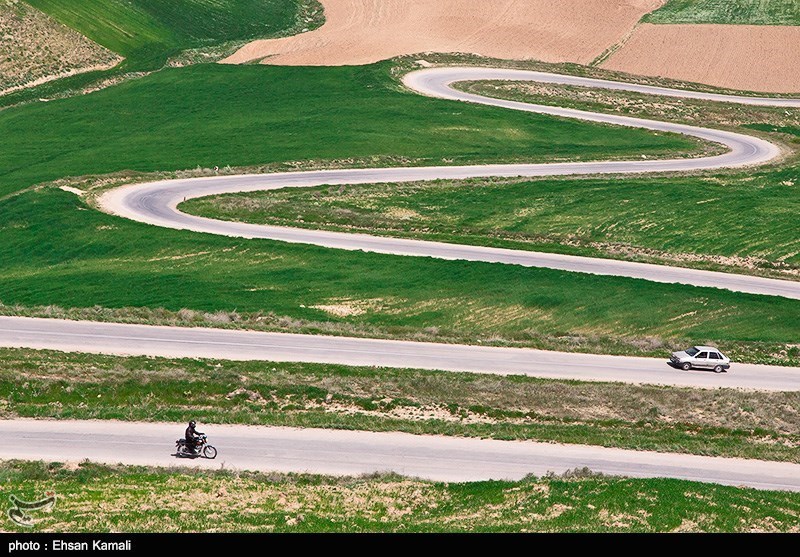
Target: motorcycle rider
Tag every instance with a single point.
(192, 436)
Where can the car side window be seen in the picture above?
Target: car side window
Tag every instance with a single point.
(702, 355)
(714, 356)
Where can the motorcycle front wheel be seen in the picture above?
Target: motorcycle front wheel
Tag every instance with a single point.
(209, 451)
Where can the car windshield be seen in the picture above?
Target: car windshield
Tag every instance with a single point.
(692, 351)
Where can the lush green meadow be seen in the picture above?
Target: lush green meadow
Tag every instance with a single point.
(98, 498)
(209, 115)
(57, 250)
(736, 221)
(750, 12)
(146, 32)
(60, 257)
(149, 33)
(743, 222)
(719, 422)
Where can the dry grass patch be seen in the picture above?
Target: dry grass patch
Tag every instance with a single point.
(345, 307)
(35, 49)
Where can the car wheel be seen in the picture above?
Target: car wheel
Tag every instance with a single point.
(686, 366)
(717, 369)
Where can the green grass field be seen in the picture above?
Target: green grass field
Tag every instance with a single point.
(745, 222)
(148, 31)
(57, 250)
(209, 115)
(719, 422)
(656, 219)
(750, 12)
(97, 498)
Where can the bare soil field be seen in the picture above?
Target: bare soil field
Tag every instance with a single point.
(746, 57)
(365, 31)
(34, 48)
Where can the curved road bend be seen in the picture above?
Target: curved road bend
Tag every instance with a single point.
(199, 342)
(337, 452)
(156, 203)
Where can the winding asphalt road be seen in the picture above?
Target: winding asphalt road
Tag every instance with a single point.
(156, 203)
(336, 452)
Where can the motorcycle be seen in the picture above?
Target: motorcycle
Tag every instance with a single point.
(202, 448)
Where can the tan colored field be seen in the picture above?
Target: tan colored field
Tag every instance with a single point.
(34, 48)
(365, 31)
(748, 57)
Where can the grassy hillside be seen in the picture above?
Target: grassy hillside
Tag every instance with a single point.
(750, 12)
(209, 115)
(720, 422)
(147, 31)
(666, 219)
(96, 498)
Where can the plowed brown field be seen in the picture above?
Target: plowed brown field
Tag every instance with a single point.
(748, 57)
(365, 31)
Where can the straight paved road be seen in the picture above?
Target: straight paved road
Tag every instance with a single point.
(357, 452)
(113, 338)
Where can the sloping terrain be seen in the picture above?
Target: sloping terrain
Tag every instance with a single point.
(365, 31)
(148, 31)
(57, 249)
(35, 48)
(737, 44)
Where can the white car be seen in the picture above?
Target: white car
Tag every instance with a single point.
(701, 357)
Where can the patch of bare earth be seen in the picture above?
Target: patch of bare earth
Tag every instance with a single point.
(624, 520)
(386, 409)
(345, 307)
(748, 57)
(366, 31)
(35, 49)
